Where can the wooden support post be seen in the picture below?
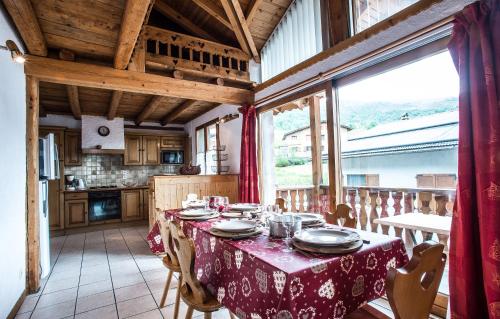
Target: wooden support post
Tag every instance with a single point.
(315, 127)
(72, 90)
(32, 217)
(115, 102)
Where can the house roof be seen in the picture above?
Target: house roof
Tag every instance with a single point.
(307, 127)
(433, 132)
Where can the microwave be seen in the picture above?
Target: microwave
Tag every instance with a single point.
(172, 157)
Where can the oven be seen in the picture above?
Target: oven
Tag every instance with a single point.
(172, 157)
(104, 205)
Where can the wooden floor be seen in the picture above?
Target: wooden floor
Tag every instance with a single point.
(103, 274)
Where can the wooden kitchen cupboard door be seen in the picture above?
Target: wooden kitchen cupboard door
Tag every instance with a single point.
(72, 149)
(133, 150)
(151, 146)
(76, 213)
(131, 205)
(145, 203)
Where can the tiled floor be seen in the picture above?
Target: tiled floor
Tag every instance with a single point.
(104, 274)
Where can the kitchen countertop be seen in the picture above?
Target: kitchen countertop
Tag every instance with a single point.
(122, 188)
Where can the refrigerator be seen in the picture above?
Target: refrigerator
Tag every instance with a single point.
(48, 170)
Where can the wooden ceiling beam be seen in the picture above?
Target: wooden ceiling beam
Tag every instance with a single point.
(149, 109)
(240, 27)
(133, 18)
(115, 102)
(25, 19)
(215, 11)
(177, 111)
(72, 90)
(96, 76)
(184, 22)
(252, 9)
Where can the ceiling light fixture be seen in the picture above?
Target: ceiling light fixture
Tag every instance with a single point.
(15, 53)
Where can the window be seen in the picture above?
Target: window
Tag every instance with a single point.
(368, 12)
(436, 180)
(207, 136)
(362, 180)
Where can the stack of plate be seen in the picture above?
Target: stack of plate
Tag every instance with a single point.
(235, 229)
(311, 220)
(196, 204)
(197, 214)
(244, 207)
(328, 241)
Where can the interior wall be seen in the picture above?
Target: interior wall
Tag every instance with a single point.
(13, 174)
(229, 133)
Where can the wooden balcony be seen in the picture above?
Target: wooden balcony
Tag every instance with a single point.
(168, 50)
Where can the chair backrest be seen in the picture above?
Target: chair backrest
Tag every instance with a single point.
(281, 203)
(184, 247)
(411, 290)
(344, 211)
(166, 237)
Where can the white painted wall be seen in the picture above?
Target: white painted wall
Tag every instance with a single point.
(230, 134)
(91, 138)
(12, 174)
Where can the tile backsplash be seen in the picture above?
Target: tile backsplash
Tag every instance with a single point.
(104, 170)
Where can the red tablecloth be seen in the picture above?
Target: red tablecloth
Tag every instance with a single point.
(254, 278)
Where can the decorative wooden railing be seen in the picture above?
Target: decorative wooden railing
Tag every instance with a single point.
(370, 203)
(192, 55)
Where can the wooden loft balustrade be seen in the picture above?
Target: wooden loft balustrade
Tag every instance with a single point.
(194, 56)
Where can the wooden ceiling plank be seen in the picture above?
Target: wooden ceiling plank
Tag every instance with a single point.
(132, 21)
(233, 19)
(89, 75)
(25, 19)
(149, 109)
(246, 31)
(215, 11)
(177, 111)
(253, 7)
(113, 105)
(178, 18)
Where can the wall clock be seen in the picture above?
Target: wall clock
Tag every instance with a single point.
(103, 130)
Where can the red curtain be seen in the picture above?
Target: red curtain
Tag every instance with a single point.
(249, 178)
(475, 234)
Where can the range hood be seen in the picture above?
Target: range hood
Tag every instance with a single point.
(102, 136)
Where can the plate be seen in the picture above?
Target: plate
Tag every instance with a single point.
(205, 217)
(233, 215)
(244, 206)
(327, 237)
(194, 212)
(235, 226)
(344, 249)
(197, 204)
(223, 234)
(308, 218)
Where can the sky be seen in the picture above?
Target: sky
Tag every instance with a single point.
(434, 77)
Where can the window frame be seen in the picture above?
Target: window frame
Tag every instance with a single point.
(205, 127)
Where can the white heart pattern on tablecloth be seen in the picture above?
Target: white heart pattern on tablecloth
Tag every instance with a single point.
(261, 277)
(359, 286)
(218, 266)
(327, 290)
(238, 258)
(387, 246)
(212, 243)
(252, 257)
(379, 287)
(205, 245)
(271, 313)
(246, 289)
(157, 239)
(199, 273)
(284, 314)
(195, 231)
(197, 251)
(371, 261)
(318, 268)
(240, 313)
(221, 293)
(279, 281)
(391, 263)
(308, 313)
(255, 316)
(231, 289)
(227, 259)
(346, 263)
(339, 310)
(208, 270)
(296, 288)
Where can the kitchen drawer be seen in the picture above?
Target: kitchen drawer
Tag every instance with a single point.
(78, 195)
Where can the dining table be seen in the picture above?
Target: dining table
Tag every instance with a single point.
(258, 278)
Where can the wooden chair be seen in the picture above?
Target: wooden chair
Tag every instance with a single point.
(170, 261)
(343, 211)
(411, 290)
(193, 293)
(281, 203)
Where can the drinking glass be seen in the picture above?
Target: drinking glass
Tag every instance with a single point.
(206, 199)
(288, 223)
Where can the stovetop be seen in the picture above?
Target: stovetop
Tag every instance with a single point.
(101, 187)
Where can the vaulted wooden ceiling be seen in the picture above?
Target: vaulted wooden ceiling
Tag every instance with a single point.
(97, 31)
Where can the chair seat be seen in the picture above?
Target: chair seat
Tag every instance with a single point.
(168, 264)
(210, 305)
(367, 312)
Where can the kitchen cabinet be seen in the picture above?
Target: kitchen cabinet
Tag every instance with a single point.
(131, 205)
(141, 150)
(145, 203)
(73, 148)
(76, 210)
